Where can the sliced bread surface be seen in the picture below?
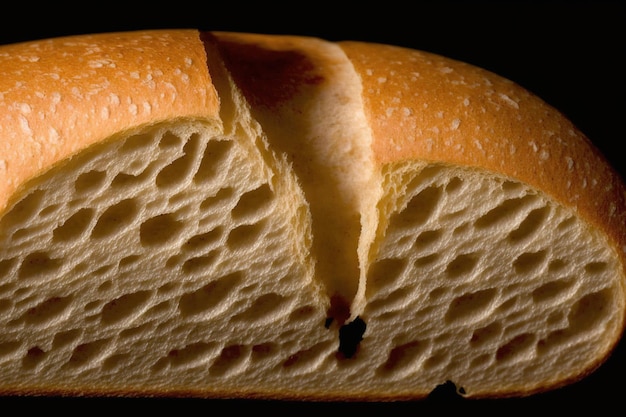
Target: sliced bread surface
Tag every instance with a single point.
(243, 215)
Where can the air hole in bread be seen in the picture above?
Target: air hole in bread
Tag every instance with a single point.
(74, 227)
(504, 212)
(34, 356)
(596, 267)
(453, 185)
(124, 180)
(25, 209)
(426, 239)
(529, 261)
(229, 358)
(38, 265)
(486, 334)
(48, 311)
(471, 305)
(65, 338)
(115, 218)
(160, 230)
(204, 240)
(136, 143)
(125, 307)
(128, 261)
(89, 353)
(306, 358)
(116, 361)
(89, 182)
(419, 209)
(6, 267)
(176, 173)
(217, 201)
(263, 351)
(552, 290)
(213, 159)
(170, 140)
(437, 360)
(208, 299)
(194, 354)
(462, 264)
(245, 235)
(590, 310)
(264, 308)
(253, 202)
(385, 272)
(197, 264)
(404, 357)
(530, 226)
(556, 265)
(50, 210)
(520, 346)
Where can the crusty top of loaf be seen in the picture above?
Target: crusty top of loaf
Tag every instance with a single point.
(427, 107)
(51, 107)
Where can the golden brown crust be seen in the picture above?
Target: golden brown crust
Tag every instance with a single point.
(428, 107)
(51, 108)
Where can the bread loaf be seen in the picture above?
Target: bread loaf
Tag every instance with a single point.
(230, 215)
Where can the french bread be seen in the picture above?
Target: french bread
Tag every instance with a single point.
(235, 215)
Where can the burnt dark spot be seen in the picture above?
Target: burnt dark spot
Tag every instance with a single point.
(350, 335)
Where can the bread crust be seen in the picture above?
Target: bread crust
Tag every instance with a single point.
(51, 108)
(423, 106)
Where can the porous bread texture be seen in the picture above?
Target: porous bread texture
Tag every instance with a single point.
(168, 259)
(486, 282)
(499, 256)
(215, 250)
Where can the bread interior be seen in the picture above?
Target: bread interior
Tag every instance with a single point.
(171, 258)
(483, 281)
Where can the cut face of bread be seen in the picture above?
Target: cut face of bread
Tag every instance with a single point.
(486, 282)
(168, 259)
(126, 265)
(288, 218)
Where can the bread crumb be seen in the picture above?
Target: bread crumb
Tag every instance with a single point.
(455, 124)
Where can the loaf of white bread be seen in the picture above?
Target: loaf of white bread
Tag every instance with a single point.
(231, 215)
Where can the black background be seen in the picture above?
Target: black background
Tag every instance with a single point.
(571, 54)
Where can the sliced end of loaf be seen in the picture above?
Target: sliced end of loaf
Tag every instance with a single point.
(351, 221)
(172, 258)
(486, 282)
